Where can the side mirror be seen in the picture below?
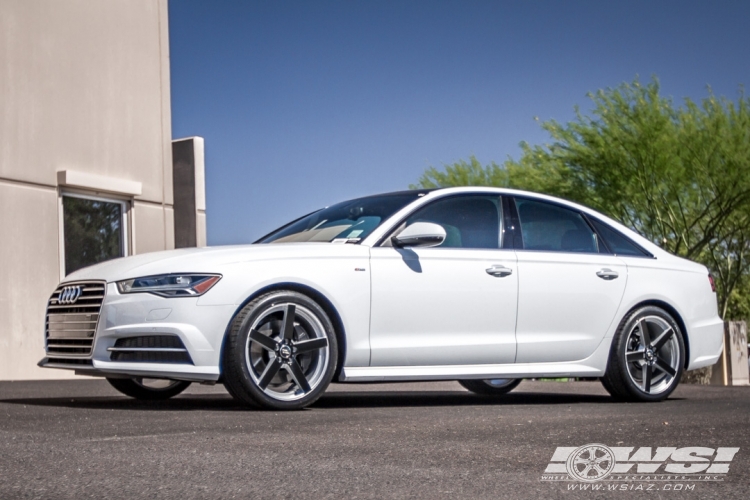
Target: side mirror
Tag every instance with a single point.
(420, 234)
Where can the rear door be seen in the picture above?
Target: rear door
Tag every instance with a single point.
(568, 291)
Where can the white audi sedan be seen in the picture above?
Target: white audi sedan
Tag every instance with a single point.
(481, 285)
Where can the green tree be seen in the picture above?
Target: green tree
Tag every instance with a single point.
(679, 175)
(463, 173)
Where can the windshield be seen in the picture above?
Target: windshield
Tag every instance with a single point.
(347, 222)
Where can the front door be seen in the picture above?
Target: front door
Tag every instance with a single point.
(454, 304)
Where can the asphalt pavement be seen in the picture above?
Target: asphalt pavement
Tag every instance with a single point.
(81, 439)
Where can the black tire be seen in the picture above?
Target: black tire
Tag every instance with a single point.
(609, 388)
(268, 363)
(647, 356)
(136, 388)
(491, 387)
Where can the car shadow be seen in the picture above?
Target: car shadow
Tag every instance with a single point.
(379, 399)
(330, 400)
(196, 402)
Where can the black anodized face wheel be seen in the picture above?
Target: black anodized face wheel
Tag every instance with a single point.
(281, 352)
(652, 354)
(647, 356)
(287, 351)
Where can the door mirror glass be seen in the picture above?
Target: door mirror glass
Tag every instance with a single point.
(420, 234)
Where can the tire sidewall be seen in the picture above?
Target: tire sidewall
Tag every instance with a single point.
(620, 349)
(237, 353)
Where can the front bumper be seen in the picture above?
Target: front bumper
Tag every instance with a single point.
(200, 328)
(149, 370)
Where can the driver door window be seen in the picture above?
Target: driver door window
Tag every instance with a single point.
(469, 221)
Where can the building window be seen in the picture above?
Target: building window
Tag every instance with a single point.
(94, 230)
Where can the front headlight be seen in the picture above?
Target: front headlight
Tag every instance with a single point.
(170, 285)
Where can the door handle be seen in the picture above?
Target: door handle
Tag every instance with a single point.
(499, 271)
(607, 274)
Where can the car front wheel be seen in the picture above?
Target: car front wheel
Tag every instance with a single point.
(281, 352)
(647, 356)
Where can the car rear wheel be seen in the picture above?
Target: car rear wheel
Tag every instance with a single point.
(148, 389)
(281, 352)
(491, 387)
(647, 356)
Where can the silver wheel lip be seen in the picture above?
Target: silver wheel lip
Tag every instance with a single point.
(170, 383)
(323, 354)
(498, 383)
(665, 381)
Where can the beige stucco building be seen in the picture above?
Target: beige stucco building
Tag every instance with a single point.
(86, 168)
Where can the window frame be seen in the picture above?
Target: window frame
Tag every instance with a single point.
(512, 223)
(385, 240)
(125, 223)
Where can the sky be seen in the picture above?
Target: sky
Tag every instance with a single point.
(303, 104)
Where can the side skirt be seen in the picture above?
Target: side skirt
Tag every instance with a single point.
(453, 372)
(593, 366)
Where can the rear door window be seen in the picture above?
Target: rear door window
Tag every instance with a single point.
(551, 228)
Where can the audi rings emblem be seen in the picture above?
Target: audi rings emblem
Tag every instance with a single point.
(69, 295)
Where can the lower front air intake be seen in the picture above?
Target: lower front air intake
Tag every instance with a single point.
(150, 349)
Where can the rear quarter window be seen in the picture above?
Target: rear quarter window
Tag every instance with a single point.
(616, 242)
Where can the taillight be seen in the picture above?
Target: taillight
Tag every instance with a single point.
(713, 283)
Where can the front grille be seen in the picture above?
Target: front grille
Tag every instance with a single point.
(70, 328)
(150, 349)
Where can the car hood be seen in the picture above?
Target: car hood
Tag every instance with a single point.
(209, 259)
